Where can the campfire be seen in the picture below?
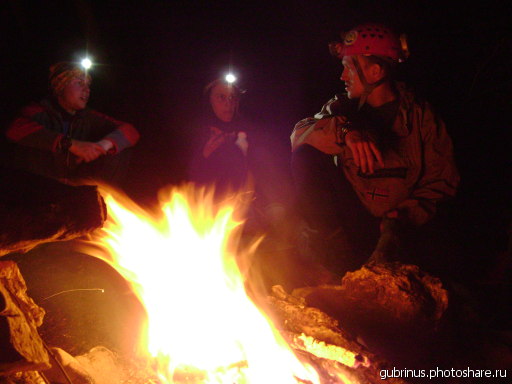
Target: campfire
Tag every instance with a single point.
(186, 267)
(205, 320)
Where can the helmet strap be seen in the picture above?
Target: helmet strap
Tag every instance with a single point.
(367, 87)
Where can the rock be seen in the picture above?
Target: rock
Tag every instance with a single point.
(395, 310)
(21, 347)
(64, 362)
(36, 210)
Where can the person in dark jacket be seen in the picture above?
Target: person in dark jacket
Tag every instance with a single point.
(373, 165)
(220, 156)
(233, 155)
(59, 137)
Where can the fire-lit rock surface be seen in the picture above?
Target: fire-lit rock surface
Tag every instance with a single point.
(21, 347)
(385, 306)
(98, 366)
(403, 291)
(394, 292)
(87, 303)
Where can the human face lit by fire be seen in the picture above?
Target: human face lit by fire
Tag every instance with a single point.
(353, 84)
(224, 101)
(75, 95)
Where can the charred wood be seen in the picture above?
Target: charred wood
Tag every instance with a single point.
(336, 355)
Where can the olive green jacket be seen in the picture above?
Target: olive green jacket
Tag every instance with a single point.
(419, 168)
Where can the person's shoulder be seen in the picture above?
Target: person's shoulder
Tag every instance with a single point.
(35, 108)
(414, 103)
(411, 97)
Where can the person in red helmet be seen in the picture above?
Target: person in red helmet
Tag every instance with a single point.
(371, 167)
(59, 137)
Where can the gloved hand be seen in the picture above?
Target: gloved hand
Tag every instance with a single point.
(388, 245)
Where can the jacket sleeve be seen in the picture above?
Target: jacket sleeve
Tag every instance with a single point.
(122, 135)
(440, 177)
(324, 134)
(28, 129)
(321, 131)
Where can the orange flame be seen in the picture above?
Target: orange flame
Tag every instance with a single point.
(184, 270)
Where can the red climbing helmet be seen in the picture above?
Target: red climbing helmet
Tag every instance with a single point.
(371, 39)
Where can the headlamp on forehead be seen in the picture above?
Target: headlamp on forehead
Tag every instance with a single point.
(230, 78)
(86, 63)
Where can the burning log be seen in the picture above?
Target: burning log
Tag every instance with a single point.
(299, 319)
(386, 305)
(21, 346)
(35, 210)
(335, 353)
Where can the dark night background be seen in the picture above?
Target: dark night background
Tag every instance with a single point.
(154, 57)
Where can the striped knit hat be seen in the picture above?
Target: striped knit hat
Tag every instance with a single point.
(62, 73)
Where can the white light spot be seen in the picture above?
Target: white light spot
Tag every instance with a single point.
(230, 78)
(86, 63)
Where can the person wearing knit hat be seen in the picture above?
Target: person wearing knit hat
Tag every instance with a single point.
(62, 73)
(60, 137)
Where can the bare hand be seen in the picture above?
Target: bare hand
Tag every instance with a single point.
(217, 138)
(86, 151)
(365, 151)
(212, 144)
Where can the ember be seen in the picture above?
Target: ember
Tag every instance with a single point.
(184, 267)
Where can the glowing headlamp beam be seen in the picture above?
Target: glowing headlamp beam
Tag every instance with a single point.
(86, 63)
(230, 78)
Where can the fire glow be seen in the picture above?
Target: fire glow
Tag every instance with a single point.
(183, 267)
